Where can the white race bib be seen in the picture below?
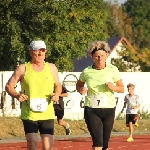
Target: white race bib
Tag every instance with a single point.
(38, 104)
(98, 101)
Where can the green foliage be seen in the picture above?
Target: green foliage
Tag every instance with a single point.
(144, 114)
(67, 27)
(128, 60)
(133, 19)
(138, 11)
(113, 23)
(120, 116)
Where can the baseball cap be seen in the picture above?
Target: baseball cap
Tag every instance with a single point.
(39, 44)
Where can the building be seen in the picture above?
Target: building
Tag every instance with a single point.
(115, 44)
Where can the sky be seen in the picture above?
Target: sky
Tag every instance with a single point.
(121, 1)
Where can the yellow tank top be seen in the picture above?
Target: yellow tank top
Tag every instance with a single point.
(37, 85)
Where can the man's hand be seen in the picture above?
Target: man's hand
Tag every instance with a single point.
(54, 97)
(110, 85)
(21, 97)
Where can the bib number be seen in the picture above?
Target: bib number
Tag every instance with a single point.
(98, 101)
(38, 104)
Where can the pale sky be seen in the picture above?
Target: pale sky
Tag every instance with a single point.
(121, 1)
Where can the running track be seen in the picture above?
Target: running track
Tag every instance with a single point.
(116, 143)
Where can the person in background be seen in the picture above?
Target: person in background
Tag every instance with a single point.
(38, 80)
(59, 111)
(102, 80)
(133, 103)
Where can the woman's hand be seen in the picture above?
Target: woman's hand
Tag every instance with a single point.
(83, 90)
(110, 85)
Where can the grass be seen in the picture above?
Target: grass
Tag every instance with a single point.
(12, 127)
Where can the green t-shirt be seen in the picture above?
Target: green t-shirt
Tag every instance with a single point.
(95, 81)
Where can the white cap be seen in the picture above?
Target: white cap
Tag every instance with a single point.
(36, 45)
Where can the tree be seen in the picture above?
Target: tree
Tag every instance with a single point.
(67, 27)
(114, 22)
(128, 60)
(131, 60)
(138, 12)
(133, 20)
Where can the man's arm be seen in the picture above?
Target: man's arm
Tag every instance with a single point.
(64, 92)
(14, 79)
(57, 85)
(64, 95)
(124, 106)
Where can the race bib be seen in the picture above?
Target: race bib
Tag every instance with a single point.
(98, 101)
(38, 104)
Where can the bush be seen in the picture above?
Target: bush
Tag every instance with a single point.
(143, 114)
(120, 116)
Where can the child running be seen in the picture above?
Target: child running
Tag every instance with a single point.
(133, 103)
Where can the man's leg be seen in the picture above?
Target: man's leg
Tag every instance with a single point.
(46, 128)
(130, 129)
(61, 122)
(60, 114)
(130, 119)
(32, 141)
(31, 129)
(47, 141)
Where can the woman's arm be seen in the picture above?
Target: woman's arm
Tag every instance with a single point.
(80, 87)
(119, 87)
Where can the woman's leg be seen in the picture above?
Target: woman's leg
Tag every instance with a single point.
(95, 128)
(96, 148)
(108, 121)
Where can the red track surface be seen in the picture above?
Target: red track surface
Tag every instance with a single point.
(116, 143)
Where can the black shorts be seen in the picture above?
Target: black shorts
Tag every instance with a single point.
(44, 126)
(59, 111)
(131, 118)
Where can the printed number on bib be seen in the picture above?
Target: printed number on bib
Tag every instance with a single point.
(98, 101)
(38, 104)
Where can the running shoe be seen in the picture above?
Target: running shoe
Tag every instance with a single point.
(129, 139)
(136, 125)
(68, 131)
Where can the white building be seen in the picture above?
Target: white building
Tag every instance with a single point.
(116, 44)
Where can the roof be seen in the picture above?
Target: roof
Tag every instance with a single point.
(85, 61)
(112, 42)
(82, 63)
